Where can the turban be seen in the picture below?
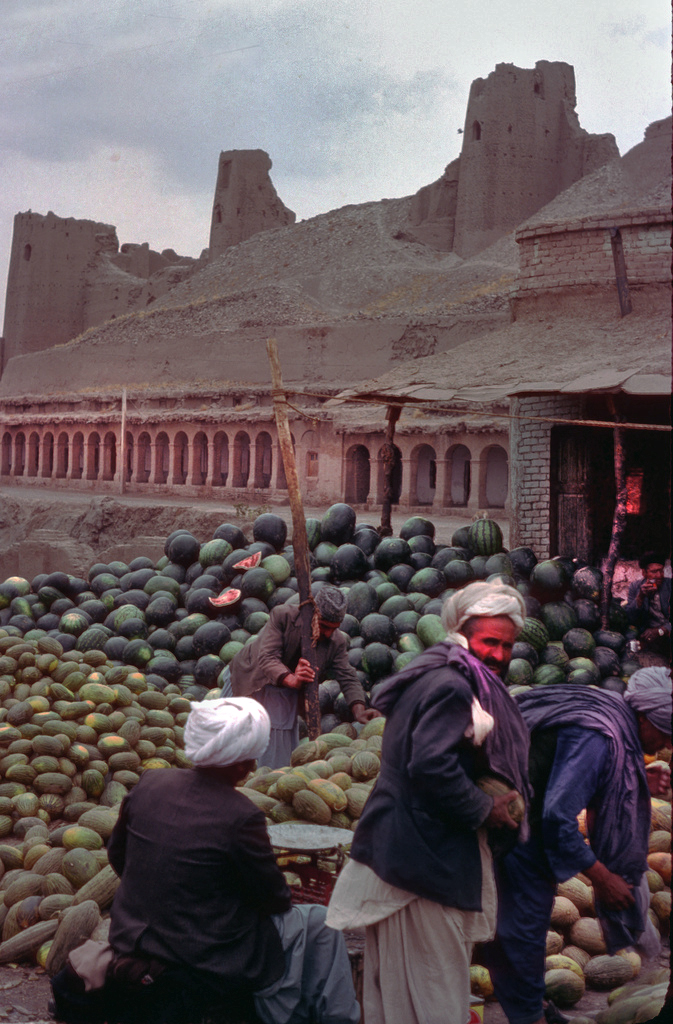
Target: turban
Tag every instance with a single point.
(331, 603)
(481, 599)
(225, 731)
(649, 692)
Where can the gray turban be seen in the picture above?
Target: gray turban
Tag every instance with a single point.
(481, 599)
(226, 731)
(649, 693)
(331, 603)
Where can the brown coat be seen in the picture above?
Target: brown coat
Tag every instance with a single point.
(278, 649)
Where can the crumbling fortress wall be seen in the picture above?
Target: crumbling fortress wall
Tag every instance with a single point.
(522, 146)
(245, 200)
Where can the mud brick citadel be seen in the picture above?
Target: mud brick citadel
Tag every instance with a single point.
(490, 305)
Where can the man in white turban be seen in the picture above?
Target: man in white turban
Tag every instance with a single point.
(203, 917)
(420, 878)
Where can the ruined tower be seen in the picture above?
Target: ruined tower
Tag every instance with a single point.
(522, 146)
(245, 200)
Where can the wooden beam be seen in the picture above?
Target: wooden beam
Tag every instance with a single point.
(299, 538)
(388, 456)
(618, 519)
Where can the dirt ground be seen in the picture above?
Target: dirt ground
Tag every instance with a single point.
(24, 995)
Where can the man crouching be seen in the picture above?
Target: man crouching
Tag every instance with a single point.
(203, 915)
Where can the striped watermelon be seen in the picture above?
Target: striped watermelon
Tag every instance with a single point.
(534, 633)
(485, 537)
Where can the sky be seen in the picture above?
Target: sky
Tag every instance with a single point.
(117, 110)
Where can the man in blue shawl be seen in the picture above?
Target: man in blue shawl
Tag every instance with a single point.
(587, 749)
(420, 878)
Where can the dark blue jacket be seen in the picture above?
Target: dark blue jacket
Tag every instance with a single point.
(640, 617)
(418, 829)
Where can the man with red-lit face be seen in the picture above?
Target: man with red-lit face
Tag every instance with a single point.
(648, 605)
(491, 638)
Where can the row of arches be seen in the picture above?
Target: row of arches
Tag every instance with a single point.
(239, 460)
(424, 471)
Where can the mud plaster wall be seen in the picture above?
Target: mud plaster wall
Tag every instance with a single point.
(246, 201)
(522, 145)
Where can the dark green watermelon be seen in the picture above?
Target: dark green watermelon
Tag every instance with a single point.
(607, 661)
(588, 615)
(210, 637)
(232, 534)
(549, 580)
(583, 671)
(522, 651)
(257, 583)
(443, 556)
(184, 549)
(458, 573)
(377, 660)
(417, 527)
(607, 638)
(461, 537)
(270, 529)
(421, 545)
(523, 561)
(362, 600)
(349, 562)
(338, 524)
(534, 632)
(401, 575)
(366, 538)
(548, 675)
(554, 654)
(391, 551)
(395, 604)
(478, 564)
(579, 643)
(313, 532)
(429, 581)
(519, 673)
(558, 617)
(587, 583)
(485, 537)
(377, 628)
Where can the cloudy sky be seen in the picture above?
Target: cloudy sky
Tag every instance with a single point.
(117, 110)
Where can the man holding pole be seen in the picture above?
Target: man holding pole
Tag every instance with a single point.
(273, 671)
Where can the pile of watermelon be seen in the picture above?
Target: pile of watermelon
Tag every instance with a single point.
(181, 619)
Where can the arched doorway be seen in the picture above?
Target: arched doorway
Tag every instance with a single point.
(180, 458)
(48, 454)
(458, 476)
(358, 474)
(424, 474)
(163, 458)
(241, 459)
(93, 456)
(62, 455)
(221, 459)
(6, 454)
(200, 459)
(77, 456)
(263, 460)
(109, 456)
(143, 458)
(19, 454)
(33, 454)
(496, 478)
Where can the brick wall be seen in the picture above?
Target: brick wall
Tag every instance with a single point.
(580, 252)
(530, 465)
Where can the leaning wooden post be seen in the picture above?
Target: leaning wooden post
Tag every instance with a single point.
(299, 538)
(388, 456)
(618, 521)
(122, 445)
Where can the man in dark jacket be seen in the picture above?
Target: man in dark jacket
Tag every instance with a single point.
(203, 911)
(420, 877)
(272, 670)
(648, 605)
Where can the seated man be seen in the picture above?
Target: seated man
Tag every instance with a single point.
(648, 605)
(203, 909)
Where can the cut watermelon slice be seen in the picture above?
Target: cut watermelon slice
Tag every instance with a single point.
(249, 563)
(226, 598)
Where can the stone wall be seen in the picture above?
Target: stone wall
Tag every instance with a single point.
(522, 146)
(530, 446)
(245, 200)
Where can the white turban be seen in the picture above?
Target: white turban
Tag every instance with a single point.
(223, 732)
(481, 599)
(649, 692)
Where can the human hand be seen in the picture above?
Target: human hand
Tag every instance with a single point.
(658, 778)
(648, 635)
(500, 815)
(363, 714)
(304, 672)
(611, 889)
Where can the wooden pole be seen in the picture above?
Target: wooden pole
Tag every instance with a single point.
(388, 456)
(618, 521)
(122, 446)
(299, 538)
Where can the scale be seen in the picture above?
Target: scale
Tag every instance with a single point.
(315, 853)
